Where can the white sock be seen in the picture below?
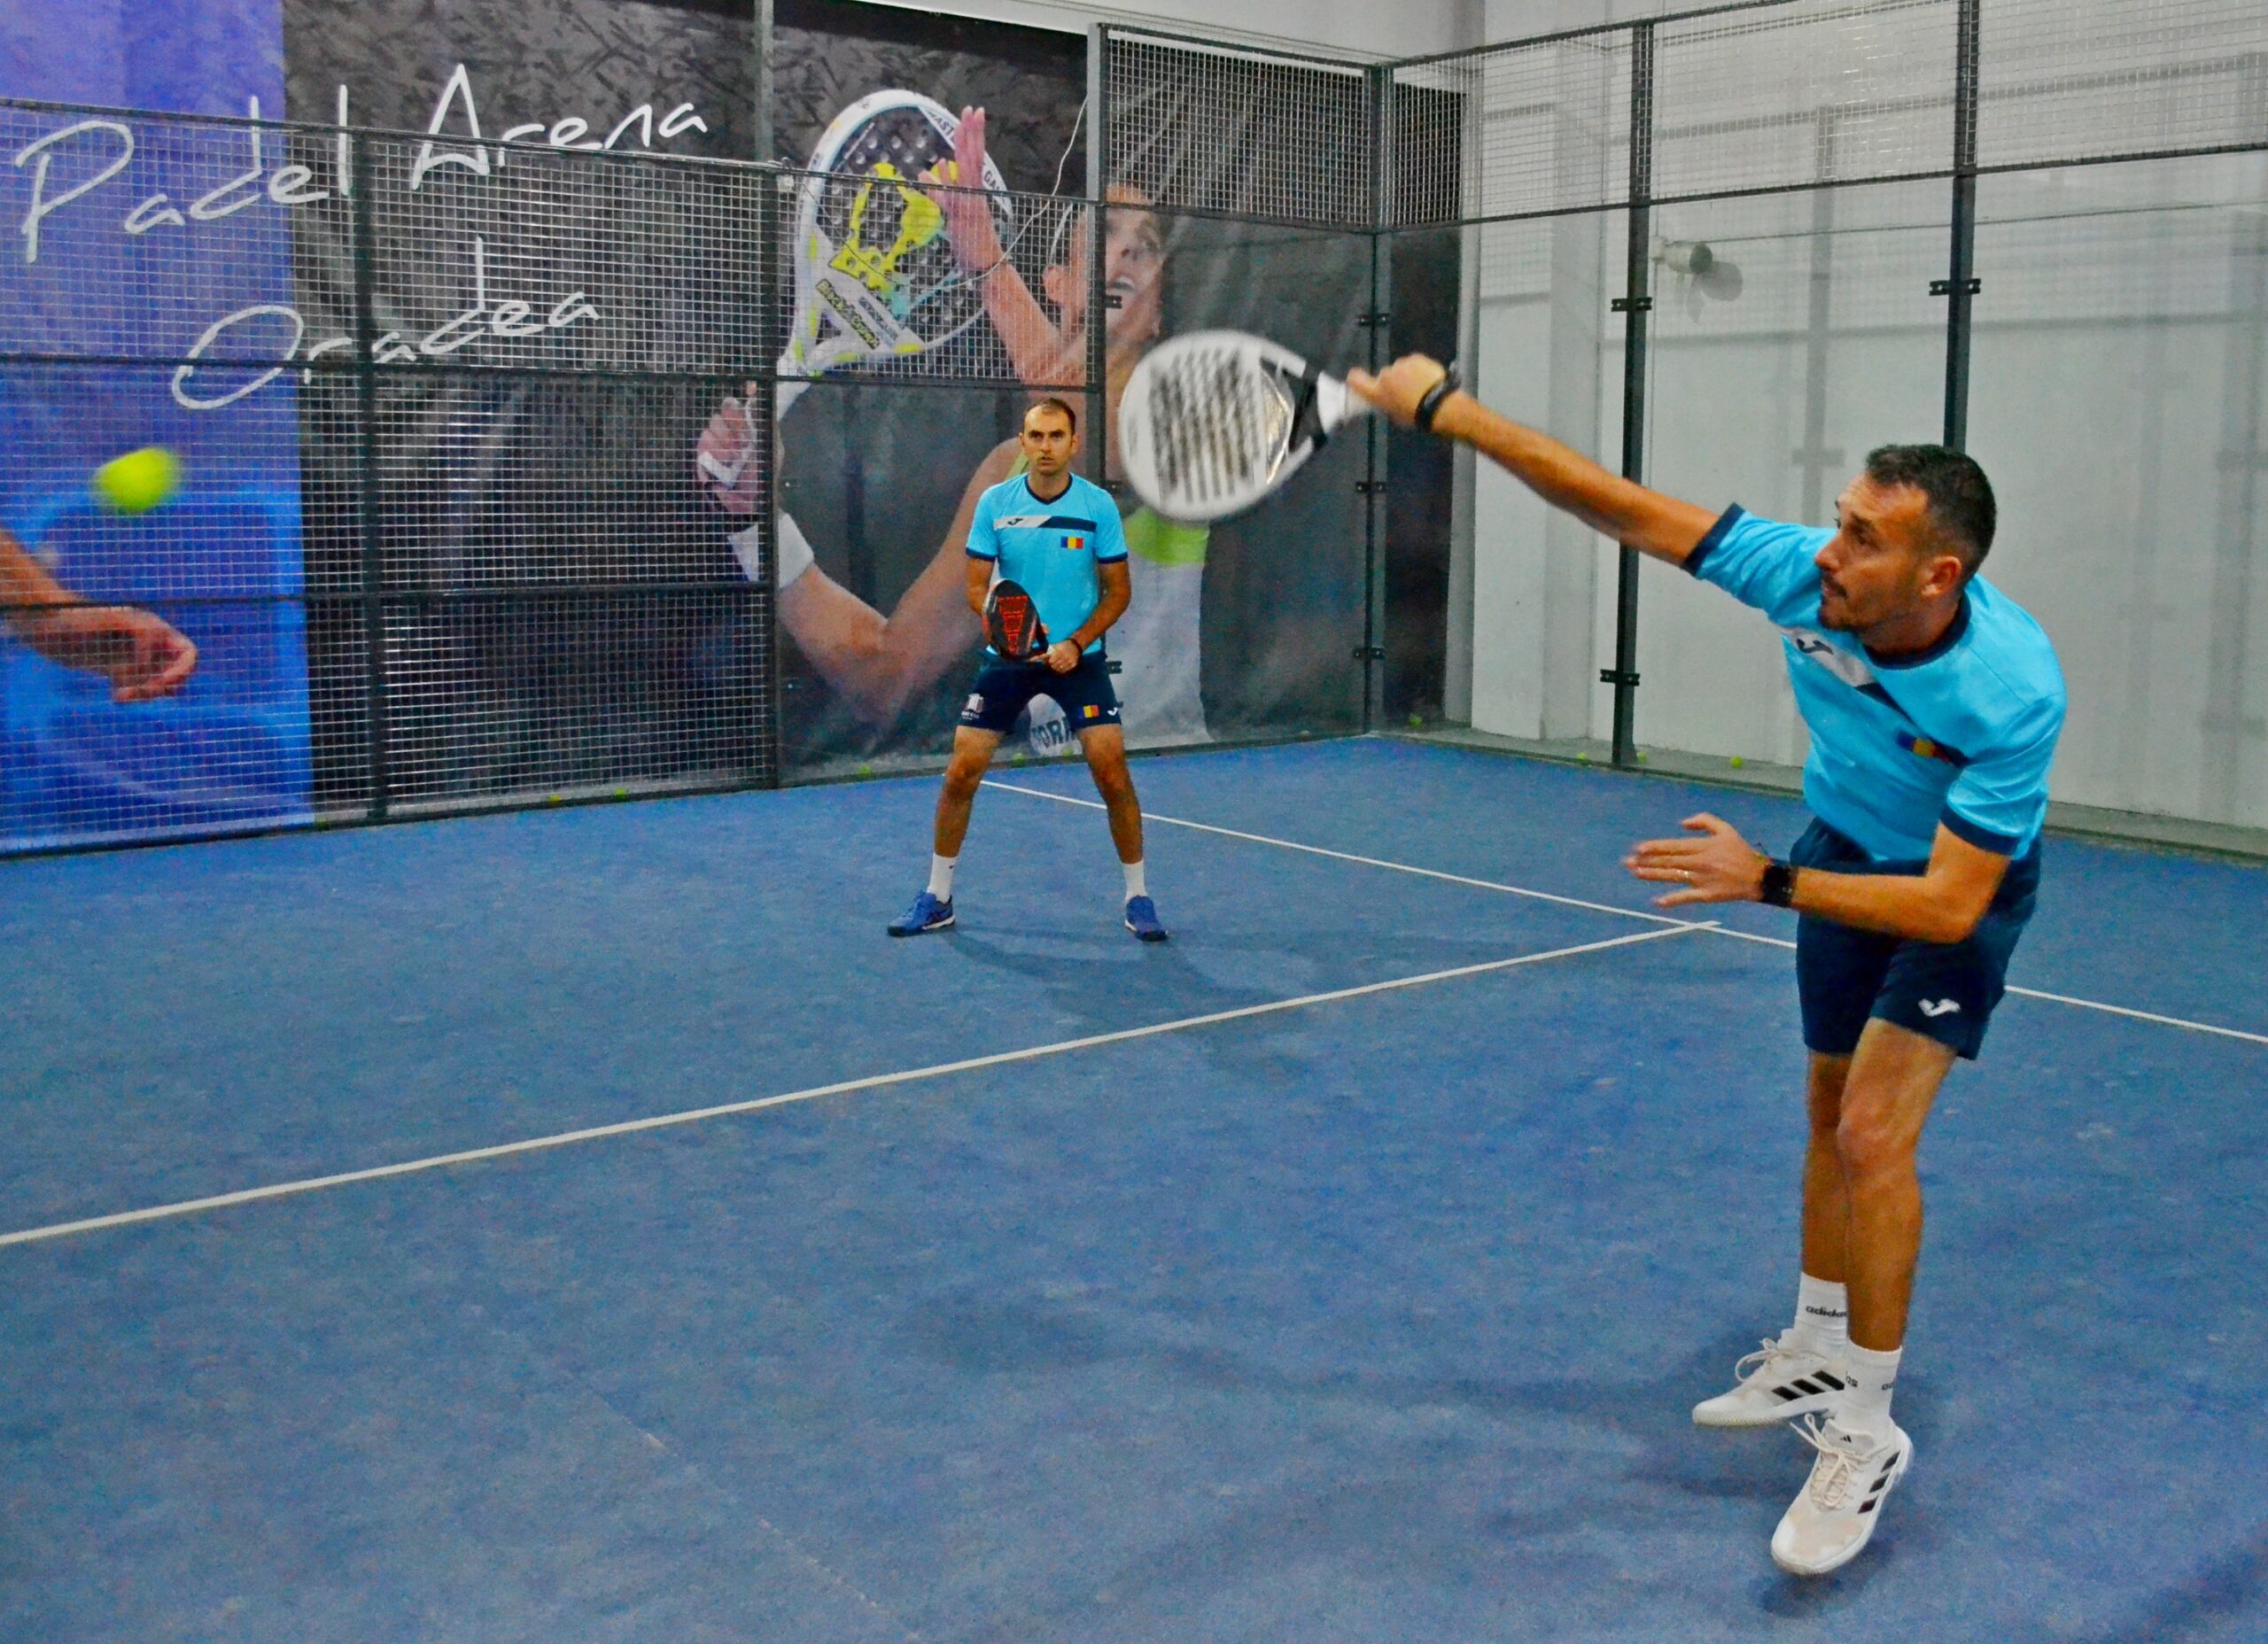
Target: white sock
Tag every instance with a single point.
(1822, 1315)
(941, 877)
(1866, 1408)
(1136, 885)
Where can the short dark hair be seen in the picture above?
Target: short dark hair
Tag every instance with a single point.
(1053, 403)
(1960, 498)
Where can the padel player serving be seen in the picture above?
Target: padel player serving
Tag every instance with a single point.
(1058, 536)
(1934, 702)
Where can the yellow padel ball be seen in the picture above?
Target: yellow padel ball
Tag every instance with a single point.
(139, 481)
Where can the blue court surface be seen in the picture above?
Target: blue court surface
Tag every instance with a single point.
(1344, 1269)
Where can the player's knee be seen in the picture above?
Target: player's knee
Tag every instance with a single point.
(1113, 778)
(963, 776)
(1870, 1146)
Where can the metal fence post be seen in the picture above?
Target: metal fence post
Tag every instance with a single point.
(1633, 305)
(366, 421)
(1960, 284)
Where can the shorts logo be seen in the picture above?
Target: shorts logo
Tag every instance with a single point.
(974, 706)
(1092, 711)
(1935, 1008)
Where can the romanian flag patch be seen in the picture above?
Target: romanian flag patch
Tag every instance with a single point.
(1092, 711)
(1075, 543)
(1924, 748)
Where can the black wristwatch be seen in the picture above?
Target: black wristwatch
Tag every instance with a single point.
(1779, 889)
(1430, 407)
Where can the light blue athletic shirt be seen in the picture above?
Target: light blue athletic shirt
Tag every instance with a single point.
(1052, 548)
(1961, 734)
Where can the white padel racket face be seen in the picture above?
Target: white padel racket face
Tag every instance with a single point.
(875, 275)
(1214, 422)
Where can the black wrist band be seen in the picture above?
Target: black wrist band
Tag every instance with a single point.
(1779, 885)
(1430, 407)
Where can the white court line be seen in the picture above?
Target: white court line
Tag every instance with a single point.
(1368, 861)
(1607, 907)
(873, 1082)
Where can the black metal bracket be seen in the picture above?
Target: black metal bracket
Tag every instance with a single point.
(1371, 488)
(1375, 318)
(1633, 305)
(1944, 288)
(1616, 676)
(1370, 653)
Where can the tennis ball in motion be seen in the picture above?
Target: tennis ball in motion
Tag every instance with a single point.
(139, 481)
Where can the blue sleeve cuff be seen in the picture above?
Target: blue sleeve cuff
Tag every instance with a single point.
(979, 553)
(1110, 558)
(1983, 838)
(1702, 549)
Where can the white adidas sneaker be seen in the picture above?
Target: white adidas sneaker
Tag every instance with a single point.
(1779, 1382)
(1835, 1516)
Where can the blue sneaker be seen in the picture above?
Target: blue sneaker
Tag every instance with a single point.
(1142, 918)
(927, 914)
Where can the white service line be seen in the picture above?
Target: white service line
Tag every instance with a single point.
(1607, 907)
(873, 1082)
(1368, 861)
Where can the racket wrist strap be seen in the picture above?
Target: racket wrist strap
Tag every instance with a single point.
(1429, 406)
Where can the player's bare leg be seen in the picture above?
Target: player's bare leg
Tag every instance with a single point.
(1866, 1120)
(933, 909)
(1893, 1078)
(1105, 747)
(973, 751)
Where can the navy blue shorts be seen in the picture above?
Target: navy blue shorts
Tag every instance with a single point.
(1004, 689)
(1945, 991)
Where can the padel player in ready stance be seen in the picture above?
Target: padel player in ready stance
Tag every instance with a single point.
(1934, 702)
(1058, 536)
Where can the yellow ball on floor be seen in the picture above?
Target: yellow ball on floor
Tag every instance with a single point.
(139, 481)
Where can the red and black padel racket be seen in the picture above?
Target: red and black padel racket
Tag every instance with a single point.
(1011, 623)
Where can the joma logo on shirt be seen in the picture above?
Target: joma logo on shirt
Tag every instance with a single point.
(1845, 667)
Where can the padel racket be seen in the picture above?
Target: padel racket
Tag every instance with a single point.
(875, 275)
(1214, 422)
(1011, 623)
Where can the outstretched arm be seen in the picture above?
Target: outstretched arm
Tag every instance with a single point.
(143, 656)
(877, 664)
(1666, 527)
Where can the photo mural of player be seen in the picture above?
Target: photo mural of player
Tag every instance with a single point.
(563, 608)
(1246, 628)
(176, 700)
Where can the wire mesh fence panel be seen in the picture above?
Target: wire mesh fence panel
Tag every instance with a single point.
(1800, 95)
(156, 237)
(512, 256)
(435, 412)
(499, 699)
(1809, 337)
(495, 479)
(1513, 131)
(1210, 127)
(2073, 80)
(2120, 407)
